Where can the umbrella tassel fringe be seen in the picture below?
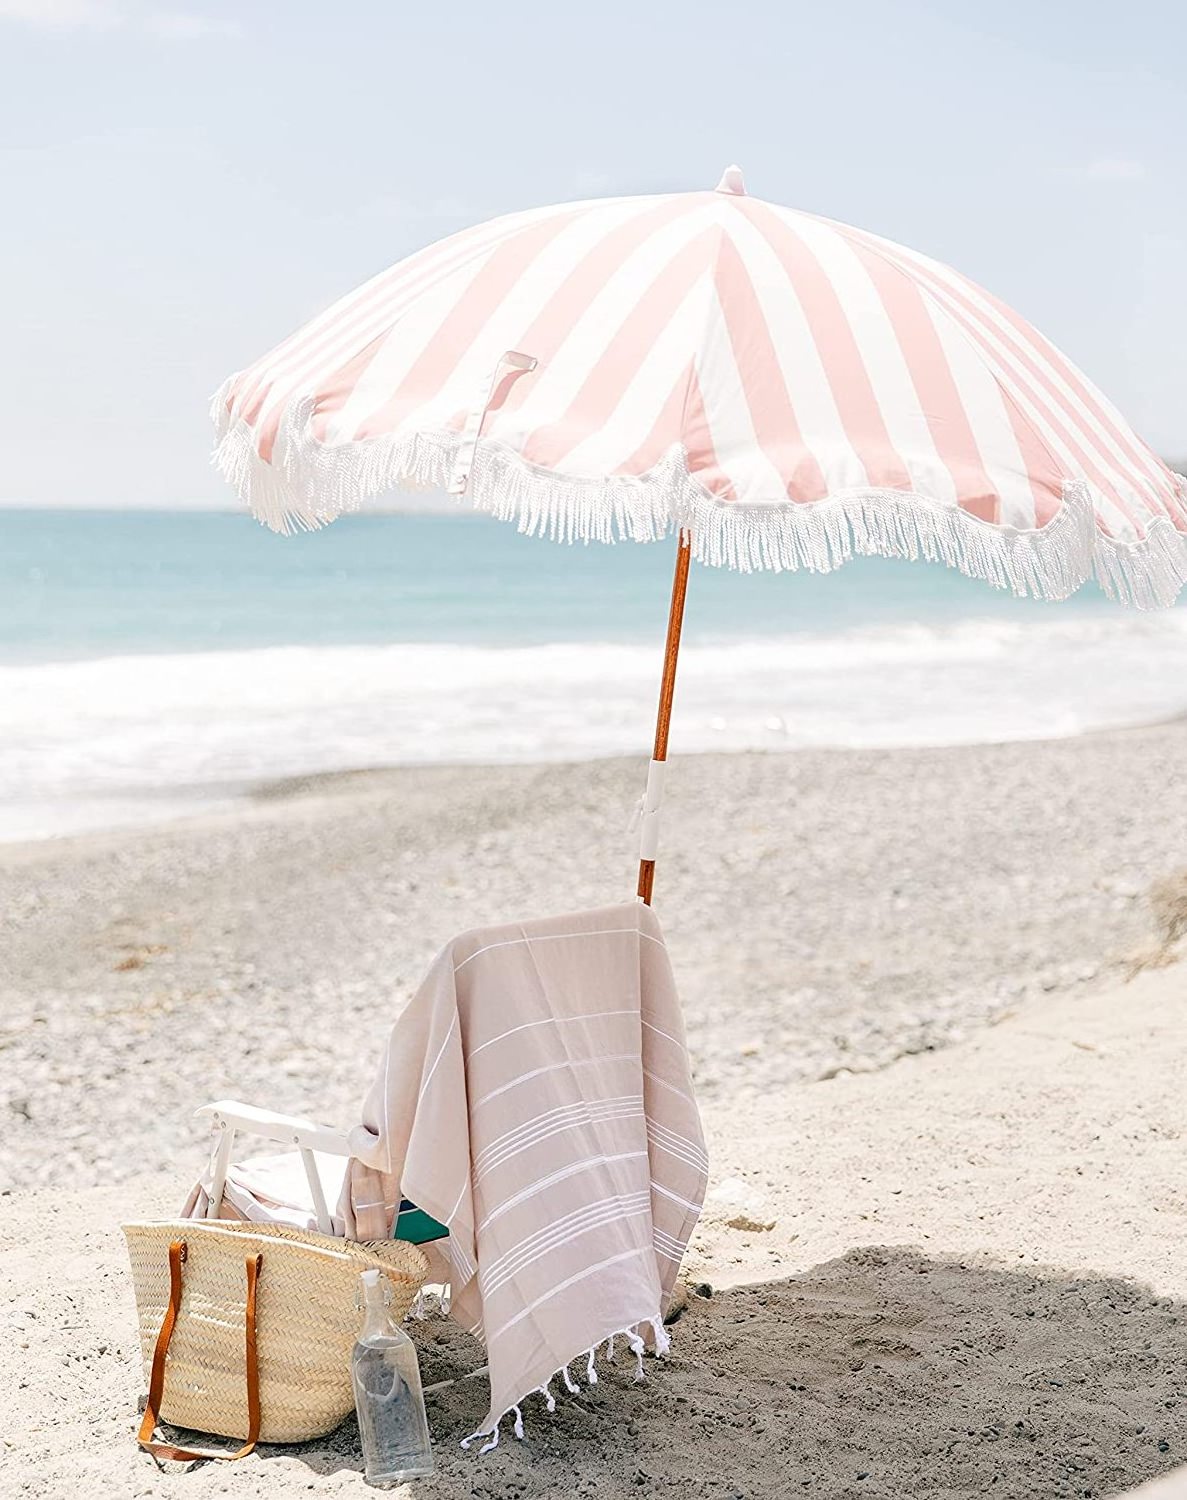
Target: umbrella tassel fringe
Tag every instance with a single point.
(308, 483)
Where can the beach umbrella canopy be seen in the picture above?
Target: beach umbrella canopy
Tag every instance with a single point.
(779, 389)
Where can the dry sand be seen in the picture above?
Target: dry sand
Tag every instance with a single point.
(945, 1233)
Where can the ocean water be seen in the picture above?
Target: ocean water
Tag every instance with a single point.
(155, 663)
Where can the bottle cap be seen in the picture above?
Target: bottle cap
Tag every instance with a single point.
(375, 1289)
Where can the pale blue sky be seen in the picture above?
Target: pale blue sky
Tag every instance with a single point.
(181, 184)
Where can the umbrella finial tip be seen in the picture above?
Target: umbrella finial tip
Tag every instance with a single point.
(732, 182)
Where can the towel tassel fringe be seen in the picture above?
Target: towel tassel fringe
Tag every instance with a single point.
(635, 1342)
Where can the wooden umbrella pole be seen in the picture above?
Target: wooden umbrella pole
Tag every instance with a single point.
(663, 721)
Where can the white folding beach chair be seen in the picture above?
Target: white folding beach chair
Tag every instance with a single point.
(300, 1187)
(302, 1197)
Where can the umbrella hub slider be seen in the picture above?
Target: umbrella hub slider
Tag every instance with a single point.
(649, 809)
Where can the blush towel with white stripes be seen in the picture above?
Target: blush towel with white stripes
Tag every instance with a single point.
(535, 1097)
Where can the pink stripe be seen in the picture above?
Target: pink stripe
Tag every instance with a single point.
(612, 371)
(668, 429)
(1054, 408)
(333, 393)
(943, 409)
(340, 320)
(1130, 444)
(462, 325)
(365, 315)
(772, 413)
(698, 443)
(1046, 476)
(848, 379)
(565, 308)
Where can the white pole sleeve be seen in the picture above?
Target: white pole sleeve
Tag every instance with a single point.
(653, 799)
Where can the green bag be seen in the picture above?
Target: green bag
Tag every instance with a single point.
(416, 1226)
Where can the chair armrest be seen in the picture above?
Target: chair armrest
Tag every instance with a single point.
(289, 1130)
(229, 1117)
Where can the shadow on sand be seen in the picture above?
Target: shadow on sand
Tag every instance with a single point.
(885, 1373)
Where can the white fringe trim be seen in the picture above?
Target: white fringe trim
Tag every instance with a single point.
(309, 483)
(661, 1342)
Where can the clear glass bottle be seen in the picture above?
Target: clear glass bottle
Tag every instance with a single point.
(387, 1393)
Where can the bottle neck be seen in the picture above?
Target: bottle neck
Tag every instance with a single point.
(377, 1322)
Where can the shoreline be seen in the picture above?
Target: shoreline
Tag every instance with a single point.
(221, 799)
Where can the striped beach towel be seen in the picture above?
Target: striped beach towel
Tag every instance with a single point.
(535, 1098)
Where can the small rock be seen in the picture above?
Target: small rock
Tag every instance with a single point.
(678, 1303)
(748, 1225)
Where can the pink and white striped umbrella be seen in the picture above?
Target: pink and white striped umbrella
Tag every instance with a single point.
(786, 389)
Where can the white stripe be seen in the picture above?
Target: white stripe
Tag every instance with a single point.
(799, 357)
(565, 372)
(680, 1142)
(665, 1083)
(676, 1198)
(408, 335)
(461, 1261)
(341, 319)
(592, 1015)
(440, 1054)
(542, 1133)
(675, 1040)
(1045, 355)
(564, 1286)
(885, 363)
(590, 1218)
(669, 1150)
(678, 1146)
(557, 1235)
(558, 1127)
(613, 1202)
(542, 1183)
(1038, 410)
(740, 456)
(569, 1062)
(675, 1136)
(509, 321)
(1028, 390)
(985, 408)
(614, 438)
(581, 1109)
(602, 1222)
(556, 937)
(348, 327)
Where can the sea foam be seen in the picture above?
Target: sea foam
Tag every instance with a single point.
(88, 743)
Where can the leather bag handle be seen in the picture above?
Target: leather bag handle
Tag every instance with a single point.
(156, 1383)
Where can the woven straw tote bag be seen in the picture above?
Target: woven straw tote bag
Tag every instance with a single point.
(247, 1329)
